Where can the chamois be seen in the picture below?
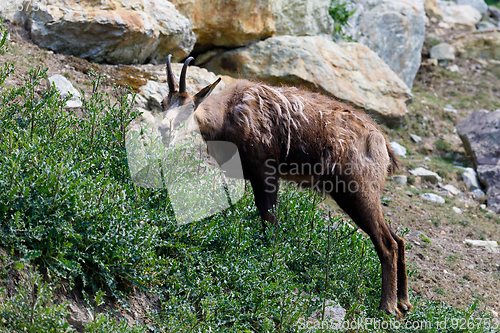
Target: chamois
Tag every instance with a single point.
(290, 133)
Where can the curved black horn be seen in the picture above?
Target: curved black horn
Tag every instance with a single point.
(170, 76)
(182, 84)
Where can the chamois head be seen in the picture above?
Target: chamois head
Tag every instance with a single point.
(179, 104)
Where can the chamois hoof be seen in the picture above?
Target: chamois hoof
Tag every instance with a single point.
(404, 306)
(394, 311)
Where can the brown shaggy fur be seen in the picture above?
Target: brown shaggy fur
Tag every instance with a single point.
(281, 132)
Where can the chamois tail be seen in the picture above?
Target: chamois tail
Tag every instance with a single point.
(395, 161)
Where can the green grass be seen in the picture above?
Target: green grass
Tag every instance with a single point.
(69, 207)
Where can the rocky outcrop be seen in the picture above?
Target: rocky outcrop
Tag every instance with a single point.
(394, 29)
(236, 23)
(348, 71)
(479, 44)
(480, 134)
(113, 31)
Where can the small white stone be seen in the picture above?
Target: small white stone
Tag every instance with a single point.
(479, 195)
(432, 197)
(401, 179)
(443, 51)
(470, 179)
(490, 246)
(457, 210)
(65, 88)
(449, 108)
(426, 175)
(415, 138)
(444, 25)
(398, 149)
(453, 68)
(452, 189)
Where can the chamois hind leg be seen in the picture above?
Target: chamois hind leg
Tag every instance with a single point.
(265, 190)
(365, 209)
(404, 304)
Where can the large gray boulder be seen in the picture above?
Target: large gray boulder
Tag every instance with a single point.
(348, 71)
(480, 134)
(480, 5)
(112, 31)
(302, 18)
(394, 29)
(233, 23)
(462, 16)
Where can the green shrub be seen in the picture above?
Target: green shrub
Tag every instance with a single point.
(66, 198)
(105, 323)
(32, 308)
(340, 12)
(225, 275)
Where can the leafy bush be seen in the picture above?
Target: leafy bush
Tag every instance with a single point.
(225, 275)
(66, 198)
(32, 308)
(340, 12)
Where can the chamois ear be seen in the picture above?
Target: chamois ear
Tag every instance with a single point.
(203, 93)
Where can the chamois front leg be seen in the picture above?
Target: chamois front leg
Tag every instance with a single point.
(265, 190)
